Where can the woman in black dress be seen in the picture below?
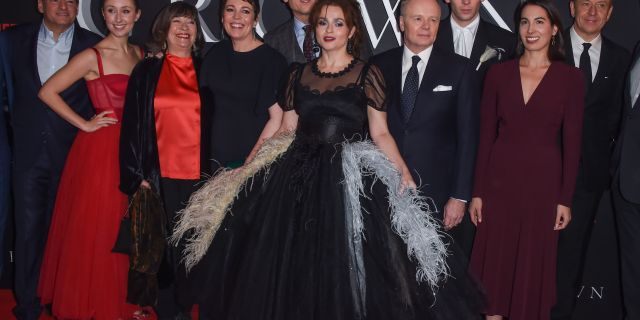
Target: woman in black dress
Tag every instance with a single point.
(311, 234)
(239, 78)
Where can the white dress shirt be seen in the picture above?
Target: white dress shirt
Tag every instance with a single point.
(52, 54)
(594, 51)
(635, 83)
(407, 63)
(463, 37)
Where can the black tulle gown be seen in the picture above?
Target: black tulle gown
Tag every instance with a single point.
(283, 250)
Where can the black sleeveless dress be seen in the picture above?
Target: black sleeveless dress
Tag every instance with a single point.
(285, 249)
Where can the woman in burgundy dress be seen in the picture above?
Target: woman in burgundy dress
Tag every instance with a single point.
(81, 278)
(531, 122)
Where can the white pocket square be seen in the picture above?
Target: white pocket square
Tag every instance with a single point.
(442, 88)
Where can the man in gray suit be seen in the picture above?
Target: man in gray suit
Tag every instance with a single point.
(294, 39)
(295, 35)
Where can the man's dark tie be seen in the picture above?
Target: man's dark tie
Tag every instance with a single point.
(307, 44)
(410, 90)
(585, 63)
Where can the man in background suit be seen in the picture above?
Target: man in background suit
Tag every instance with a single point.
(466, 34)
(293, 36)
(41, 138)
(626, 190)
(433, 110)
(5, 152)
(295, 40)
(604, 65)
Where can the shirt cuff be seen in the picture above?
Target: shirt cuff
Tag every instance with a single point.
(463, 201)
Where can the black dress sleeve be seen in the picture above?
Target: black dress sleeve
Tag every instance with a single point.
(270, 79)
(375, 89)
(286, 95)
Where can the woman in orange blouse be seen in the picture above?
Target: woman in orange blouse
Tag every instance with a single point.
(161, 144)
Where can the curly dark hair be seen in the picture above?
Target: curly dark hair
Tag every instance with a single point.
(556, 47)
(161, 24)
(352, 16)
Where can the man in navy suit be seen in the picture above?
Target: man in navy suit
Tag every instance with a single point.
(5, 152)
(41, 138)
(466, 34)
(604, 65)
(626, 190)
(433, 110)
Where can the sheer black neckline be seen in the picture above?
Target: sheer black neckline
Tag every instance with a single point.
(317, 72)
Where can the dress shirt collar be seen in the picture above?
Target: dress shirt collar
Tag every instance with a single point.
(594, 51)
(407, 62)
(408, 54)
(46, 35)
(577, 41)
(298, 25)
(472, 27)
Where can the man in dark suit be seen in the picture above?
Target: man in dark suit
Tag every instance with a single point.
(5, 152)
(294, 39)
(466, 34)
(626, 190)
(433, 110)
(41, 138)
(604, 65)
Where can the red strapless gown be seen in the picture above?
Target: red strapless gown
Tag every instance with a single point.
(80, 276)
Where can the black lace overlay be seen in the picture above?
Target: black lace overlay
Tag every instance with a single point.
(364, 83)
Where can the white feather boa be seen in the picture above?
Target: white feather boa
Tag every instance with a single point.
(411, 217)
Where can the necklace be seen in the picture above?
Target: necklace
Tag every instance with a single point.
(317, 72)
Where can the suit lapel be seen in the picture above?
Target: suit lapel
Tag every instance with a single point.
(604, 64)
(434, 67)
(396, 78)
(445, 36)
(33, 49)
(568, 49)
(77, 41)
(293, 42)
(479, 43)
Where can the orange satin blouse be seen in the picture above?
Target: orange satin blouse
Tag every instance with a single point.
(177, 114)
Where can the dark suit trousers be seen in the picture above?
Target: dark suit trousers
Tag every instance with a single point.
(462, 234)
(5, 185)
(572, 249)
(34, 193)
(175, 295)
(628, 223)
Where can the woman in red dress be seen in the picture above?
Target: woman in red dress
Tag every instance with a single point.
(80, 277)
(531, 122)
